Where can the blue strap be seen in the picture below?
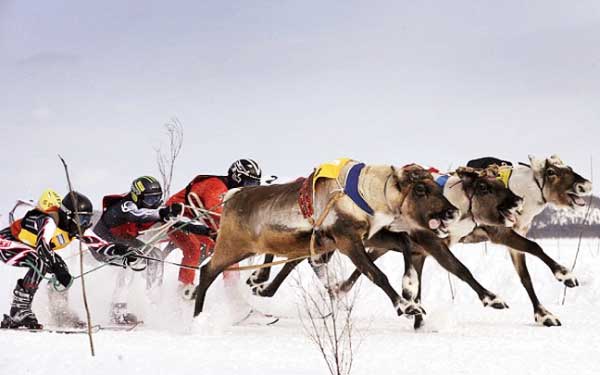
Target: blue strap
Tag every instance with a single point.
(441, 180)
(351, 188)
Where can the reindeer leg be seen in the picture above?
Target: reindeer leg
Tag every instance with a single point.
(399, 242)
(515, 241)
(436, 248)
(542, 316)
(355, 250)
(209, 272)
(268, 290)
(418, 261)
(319, 267)
(345, 286)
(262, 275)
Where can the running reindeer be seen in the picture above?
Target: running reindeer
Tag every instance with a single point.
(541, 183)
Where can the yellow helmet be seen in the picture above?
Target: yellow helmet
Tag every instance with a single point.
(49, 201)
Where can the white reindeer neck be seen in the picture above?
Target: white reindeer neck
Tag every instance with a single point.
(455, 193)
(527, 184)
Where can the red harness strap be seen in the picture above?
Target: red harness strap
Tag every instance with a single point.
(305, 196)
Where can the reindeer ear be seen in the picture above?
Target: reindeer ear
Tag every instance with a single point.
(467, 174)
(537, 165)
(412, 173)
(555, 160)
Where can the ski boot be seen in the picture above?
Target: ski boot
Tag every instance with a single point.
(120, 316)
(20, 309)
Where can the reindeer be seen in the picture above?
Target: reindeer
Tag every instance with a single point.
(540, 183)
(268, 220)
(482, 199)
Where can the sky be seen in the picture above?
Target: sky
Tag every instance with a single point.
(290, 84)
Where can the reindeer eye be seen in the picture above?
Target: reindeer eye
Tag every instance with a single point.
(550, 172)
(420, 190)
(482, 188)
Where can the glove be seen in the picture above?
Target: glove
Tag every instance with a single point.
(174, 210)
(193, 228)
(61, 272)
(130, 256)
(135, 263)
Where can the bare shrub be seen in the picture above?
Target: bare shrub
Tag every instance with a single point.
(327, 317)
(166, 158)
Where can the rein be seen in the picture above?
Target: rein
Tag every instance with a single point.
(543, 184)
(470, 211)
(541, 187)
(385, 187)
(470, 198)
(404, 192)
(316, 224)
(198, 208)
(233, 268)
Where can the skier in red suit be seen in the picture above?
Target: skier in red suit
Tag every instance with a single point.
(207, 192)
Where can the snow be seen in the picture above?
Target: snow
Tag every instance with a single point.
(460, 336)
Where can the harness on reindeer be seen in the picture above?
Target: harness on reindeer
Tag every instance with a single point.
(332, 170)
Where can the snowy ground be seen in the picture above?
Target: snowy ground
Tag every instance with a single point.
(461, 337)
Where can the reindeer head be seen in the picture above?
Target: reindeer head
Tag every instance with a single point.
(559, 184)
(421, 200)
(491, 202)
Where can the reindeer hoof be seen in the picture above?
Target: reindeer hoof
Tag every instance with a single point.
(415, 310)
(419, 322)
(546, 319)
(494, 302)
(567, 278)
(261, 290)
(571, 283)
(254, 279)
(409, 308)
(257, 290)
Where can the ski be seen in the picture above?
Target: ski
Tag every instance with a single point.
(257, 318)
(59, 330)
(121, 327)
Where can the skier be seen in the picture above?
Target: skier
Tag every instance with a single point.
(31, 242)
(207, 192)
(123, 218)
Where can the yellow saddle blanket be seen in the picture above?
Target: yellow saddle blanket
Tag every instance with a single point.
(329, 170)
(504, 173)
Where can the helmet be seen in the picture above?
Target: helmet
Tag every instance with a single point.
(75, 207)
(244, 172)
(146, 192)
(49, 201)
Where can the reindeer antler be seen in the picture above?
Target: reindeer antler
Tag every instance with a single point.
(414, 173)
(491, 171)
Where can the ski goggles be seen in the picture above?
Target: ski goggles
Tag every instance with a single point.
(250, 181)
(152, 200)
(85, 219)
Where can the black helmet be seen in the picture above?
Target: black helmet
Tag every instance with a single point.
(75, 207)
(146, 192)
(244, 172)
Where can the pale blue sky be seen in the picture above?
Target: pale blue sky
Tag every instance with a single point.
(290, 84)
